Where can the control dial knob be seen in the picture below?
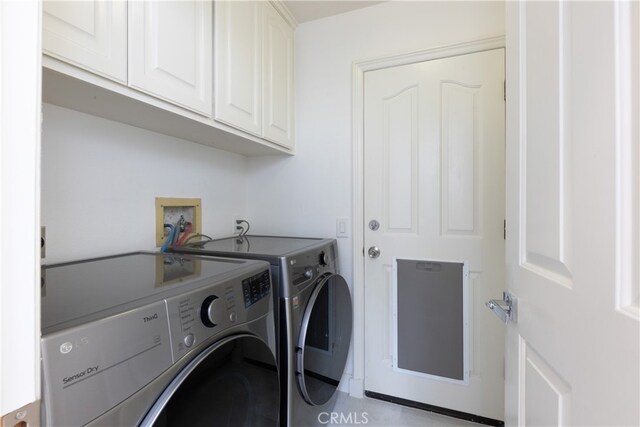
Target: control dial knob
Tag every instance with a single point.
(323, 259)
(212, 311)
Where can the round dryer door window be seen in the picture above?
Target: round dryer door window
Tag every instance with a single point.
(324, 339)
(232, 383)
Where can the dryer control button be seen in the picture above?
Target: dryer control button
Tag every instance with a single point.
(308, 273)
(189, 340)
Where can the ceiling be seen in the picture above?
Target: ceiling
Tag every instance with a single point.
(309, 10)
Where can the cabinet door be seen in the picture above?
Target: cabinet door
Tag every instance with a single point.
(278, 100)
(89, 34)
(238, 70)
(170, 51)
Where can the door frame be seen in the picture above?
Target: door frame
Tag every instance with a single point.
(356, 384)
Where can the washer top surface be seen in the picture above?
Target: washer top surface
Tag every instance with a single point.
(265, 246)
(74, 290)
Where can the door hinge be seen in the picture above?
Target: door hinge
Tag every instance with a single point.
(504, 231)
(504, 90)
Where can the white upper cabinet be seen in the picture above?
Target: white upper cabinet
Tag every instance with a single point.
(238, 64)
(254, 70)
(170, 45)
(150, 63)
(278, 79)
(89, 34)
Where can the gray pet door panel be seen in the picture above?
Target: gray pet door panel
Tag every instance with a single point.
(431, 318)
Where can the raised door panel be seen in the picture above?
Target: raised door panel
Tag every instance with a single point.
(400, 170)
(170, 53)
(89, 34)
(545, 176)
(278, 100)
(238, 59)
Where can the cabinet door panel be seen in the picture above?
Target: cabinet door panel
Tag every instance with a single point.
(170, 51)
(238, 70)
(278, 101)
(89, 34)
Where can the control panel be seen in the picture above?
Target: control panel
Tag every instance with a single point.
(309, 266)
(199, 315)
(255, 288)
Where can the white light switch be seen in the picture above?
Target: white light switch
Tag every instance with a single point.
(342, 227)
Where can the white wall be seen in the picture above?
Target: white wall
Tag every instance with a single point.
(304, 194)
(100, 179)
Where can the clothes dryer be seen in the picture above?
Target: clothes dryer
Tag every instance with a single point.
(159, 340)
(314, 317)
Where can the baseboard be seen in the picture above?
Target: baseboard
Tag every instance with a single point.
(435, 409)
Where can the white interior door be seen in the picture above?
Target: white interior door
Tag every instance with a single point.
(572, 213)
(434, 181)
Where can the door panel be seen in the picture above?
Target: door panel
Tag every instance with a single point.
(572, 357)
(546, 172)
(434, 179)
(459, 162)
(278, 79)
(171, 52)
(546, 394)
(238, 64)
(89, 34)
(400, 144)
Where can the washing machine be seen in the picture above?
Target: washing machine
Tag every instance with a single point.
(314, 317)
(146, 339)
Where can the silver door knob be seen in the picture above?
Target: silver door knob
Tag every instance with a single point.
(374, 252)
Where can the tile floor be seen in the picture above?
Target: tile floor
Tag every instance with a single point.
(384, 414)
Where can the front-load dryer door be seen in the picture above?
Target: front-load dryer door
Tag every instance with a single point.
(325, 336)
(234, 382)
